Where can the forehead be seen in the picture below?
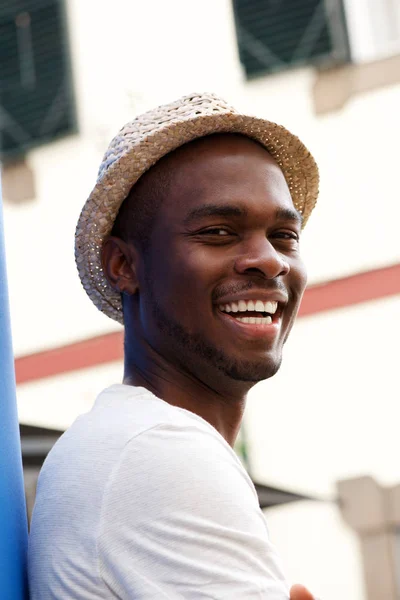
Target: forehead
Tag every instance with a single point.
(224, 168)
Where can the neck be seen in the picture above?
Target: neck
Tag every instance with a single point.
(221, 403)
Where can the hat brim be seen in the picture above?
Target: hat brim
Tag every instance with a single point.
(113, 186)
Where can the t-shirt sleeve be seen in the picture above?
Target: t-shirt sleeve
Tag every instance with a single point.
(180, 519)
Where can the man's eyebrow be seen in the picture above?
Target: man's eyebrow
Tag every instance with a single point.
(214, 210)
(289, 214)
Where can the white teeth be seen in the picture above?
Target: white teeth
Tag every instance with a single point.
(255, 320)
(249, 305)
(270, 307)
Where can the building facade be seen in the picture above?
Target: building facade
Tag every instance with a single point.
(330, 72)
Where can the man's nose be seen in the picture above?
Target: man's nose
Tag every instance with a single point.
(259, 255)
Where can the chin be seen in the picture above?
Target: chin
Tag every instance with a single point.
(194, 349)
(252, 371)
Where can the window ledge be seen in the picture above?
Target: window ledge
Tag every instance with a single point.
(333, 88)
(18, 182)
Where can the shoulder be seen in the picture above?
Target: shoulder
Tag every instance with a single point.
(180, 465)
(180, 512)
(188, 447)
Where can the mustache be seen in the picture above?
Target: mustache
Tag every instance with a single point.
(271, 285)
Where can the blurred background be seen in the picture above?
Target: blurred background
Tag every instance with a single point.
(320, 439)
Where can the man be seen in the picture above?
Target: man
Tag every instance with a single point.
(190, 238)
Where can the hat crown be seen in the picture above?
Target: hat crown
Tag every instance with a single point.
(149, 123)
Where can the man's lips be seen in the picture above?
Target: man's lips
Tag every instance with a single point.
(254, 313)
(259, 330)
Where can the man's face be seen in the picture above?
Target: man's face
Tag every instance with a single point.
(222, 281)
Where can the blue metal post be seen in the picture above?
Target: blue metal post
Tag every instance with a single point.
(13, 522)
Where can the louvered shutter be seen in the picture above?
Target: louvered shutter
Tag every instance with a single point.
(274, 35)
(36, 103)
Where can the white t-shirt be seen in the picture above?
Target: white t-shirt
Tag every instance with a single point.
(142, 500)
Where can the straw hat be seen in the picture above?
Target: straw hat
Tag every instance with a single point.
(149, 137)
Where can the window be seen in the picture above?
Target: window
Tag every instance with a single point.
(274, 35)
(36, 104)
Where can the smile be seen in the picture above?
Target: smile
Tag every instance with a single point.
(256, 312)
(257, 317)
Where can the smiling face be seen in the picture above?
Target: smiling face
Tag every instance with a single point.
(221, 281)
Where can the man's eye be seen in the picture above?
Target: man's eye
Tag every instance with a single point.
(287, 235)
(218, 231)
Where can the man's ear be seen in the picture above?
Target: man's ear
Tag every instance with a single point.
(119, 261)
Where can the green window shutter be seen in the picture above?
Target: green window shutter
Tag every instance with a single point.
(36, 101)
(274, 35)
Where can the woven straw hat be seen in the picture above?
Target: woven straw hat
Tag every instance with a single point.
(149, 137)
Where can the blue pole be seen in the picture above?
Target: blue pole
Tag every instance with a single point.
(13, 522)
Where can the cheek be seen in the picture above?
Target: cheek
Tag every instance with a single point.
(299, 277)
(296, 283)
(182, 282)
